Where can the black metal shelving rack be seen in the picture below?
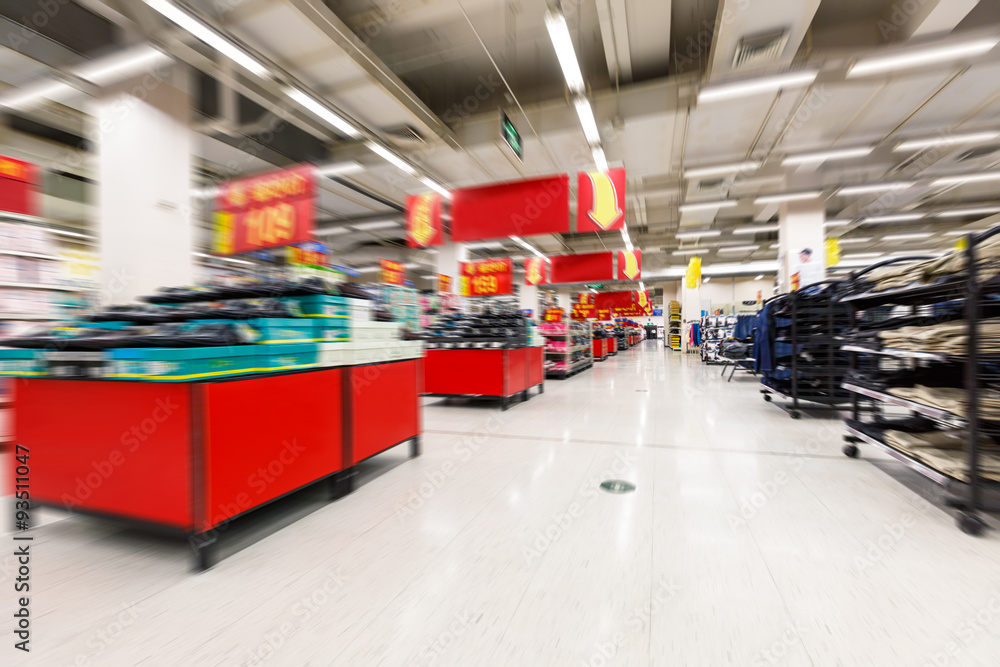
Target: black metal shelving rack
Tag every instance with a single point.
(968, 491)
(823, 346)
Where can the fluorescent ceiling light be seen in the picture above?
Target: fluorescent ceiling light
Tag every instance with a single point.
(587, 121)
(60, 232)
(33, 93)
(484, 245)
(642, 286)
(693, 251)
(968, 178)
(389, 156)
(377, 224)
(754, 229)
(907, 237)
(332, 231)
(705, 206)
(823, 156)
(321, 111)
(961, 212)
(555, 22)
(121, 65)
(339, 169)
(699, 172)
(206, 192)
(626, 239)
(365, 269)
(437, 187)
(527, 246)
(760, 277)
(856, 239)
(793, 196)
(697, 235)
(964, 232)
(707, 279)
(209, 36)
(764, 84)
(837, 222)
(600, 159)
(918, 58)
(874, 187)
(738, 248)
(898, 217)
(946, 140)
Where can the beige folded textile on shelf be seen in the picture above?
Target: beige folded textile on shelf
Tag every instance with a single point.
(953, 462)
(949, 439)
(951, 399)
(929, 270)
(946, 338)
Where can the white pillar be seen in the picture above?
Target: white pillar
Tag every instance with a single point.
(565, 301)
(447, 260)
(800, 227)
(143, 139)
(527, 299)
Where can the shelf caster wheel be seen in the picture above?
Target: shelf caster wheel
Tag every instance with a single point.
(767, 397)
(970, 523)
(850, 450)
(794, 415)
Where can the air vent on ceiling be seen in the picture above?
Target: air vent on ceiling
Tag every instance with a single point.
(977, 153)
(711, 184)
(760, 49)
(404, 134)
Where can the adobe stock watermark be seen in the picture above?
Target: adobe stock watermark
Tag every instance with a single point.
(637, 621)
(876, 550)
(102, 638)
(965, 633)
(30, 22)
(297, 615)
(899, 15)
(463, 450)
(777, 652)
(561, 522)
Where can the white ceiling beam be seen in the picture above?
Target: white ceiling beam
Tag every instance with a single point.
(929, 17)
(614, 35)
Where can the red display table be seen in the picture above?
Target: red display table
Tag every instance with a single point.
(189, 457)
(600, 349)
(612, 346)
(493, 373)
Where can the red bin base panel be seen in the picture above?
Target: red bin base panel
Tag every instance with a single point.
(385, 407)
(494, 373)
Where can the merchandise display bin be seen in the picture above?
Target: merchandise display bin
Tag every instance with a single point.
(14, 361)
(185, 456)
(502, 373)
(167, 364)
(600, 349)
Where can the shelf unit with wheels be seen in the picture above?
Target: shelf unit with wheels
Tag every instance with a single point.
(568, 349)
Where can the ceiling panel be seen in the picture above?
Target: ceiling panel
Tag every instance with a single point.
(723, 131)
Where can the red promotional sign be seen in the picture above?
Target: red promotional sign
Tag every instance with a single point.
(604, 315)
(584, 311)
(554, 315)
(423, 221)
(18, 186)
(487, 277)
(595, 266)
(600, 200)
(535, 271)
(266, 211)
(625, 304)
(629, 264)
(444, 283)
(391, 273)
(520, 208)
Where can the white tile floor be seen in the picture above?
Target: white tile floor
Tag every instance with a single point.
(750, 540)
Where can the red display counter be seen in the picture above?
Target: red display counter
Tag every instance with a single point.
(490, 373)
(600, 349)
(190, 457)
(612, 346)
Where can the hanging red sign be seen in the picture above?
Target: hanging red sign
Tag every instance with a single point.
(603, 314)
(535, 271)
(554, 315)
(444, 283)
(266, 211)
(520, 208)
(391, 273)
(584, 311)
(629, 265)
(18, 186)
(596, 266)
(600, 201)
(625, 304)
(487, 277)
(423, 221)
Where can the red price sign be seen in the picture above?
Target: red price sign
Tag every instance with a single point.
(584, 311)
(392, 273)
(18, 186)
(487, 278)
(266, 211)
(554, 315)
(444, 283)
(604, 314)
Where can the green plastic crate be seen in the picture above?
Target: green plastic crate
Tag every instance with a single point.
(166, 364)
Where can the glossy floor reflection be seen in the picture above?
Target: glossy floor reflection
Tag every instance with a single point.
(749, 540)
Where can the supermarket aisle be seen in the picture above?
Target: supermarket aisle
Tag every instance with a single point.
(749, 540)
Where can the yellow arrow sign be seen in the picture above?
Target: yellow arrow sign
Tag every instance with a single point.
(605, 209)
(631, 269)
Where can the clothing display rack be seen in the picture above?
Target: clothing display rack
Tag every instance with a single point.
(797, 348)
(925, 370)
(673, 340)
(568, 349)
(714, 330)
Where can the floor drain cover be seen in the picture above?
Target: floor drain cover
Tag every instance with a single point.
(617, 486)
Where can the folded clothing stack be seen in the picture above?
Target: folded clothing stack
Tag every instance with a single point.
(953, 400)
(256, 290)
(164, 335)
(488, 327)
(946, 338)
(943, 270)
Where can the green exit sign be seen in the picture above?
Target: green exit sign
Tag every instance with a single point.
(511, 135)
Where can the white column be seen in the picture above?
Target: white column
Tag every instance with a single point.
(800, 227)
(448, 258)
(527, 299)
(565, 301)
(143, 139)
